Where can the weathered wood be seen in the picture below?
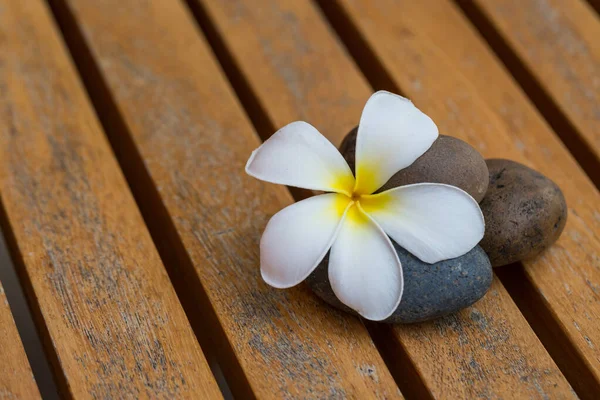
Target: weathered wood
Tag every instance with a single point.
(552, 48)
(180, 120)
(304, 73)
(284, 53)
(430, 51)
(111, 320)
(16, 379)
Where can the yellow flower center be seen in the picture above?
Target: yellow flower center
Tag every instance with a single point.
(358, 205)
(356, 196)
(365, 178)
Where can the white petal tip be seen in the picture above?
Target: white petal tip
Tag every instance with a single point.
(435, 260)
(436, 221)
(386, 93)
(392, 134)
(249, 163)
(274, 283)
(298, 155)
(365, 272)
(297, 238)
(379, 317)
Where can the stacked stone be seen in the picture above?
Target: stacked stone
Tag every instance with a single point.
(525, 213)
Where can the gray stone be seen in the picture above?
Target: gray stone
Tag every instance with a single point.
(430, 290)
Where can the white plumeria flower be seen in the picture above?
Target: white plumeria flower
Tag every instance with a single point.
(432, 221)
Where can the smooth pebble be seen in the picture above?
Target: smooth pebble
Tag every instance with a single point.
(525, 212)
(430, 290)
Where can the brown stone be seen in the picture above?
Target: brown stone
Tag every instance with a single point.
(449, 160)
(524, 211)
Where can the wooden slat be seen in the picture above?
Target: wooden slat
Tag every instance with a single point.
(16, 378)
(300, 72)
(290, 60)
(552, 47)
(193, 137)
(111, 319)
(430, 51)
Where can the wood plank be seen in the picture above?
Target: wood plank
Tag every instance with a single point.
(288, 57)
(430, 51)
(111, 320)
(304, 73)
(552, 48)
(192, 136)
(16, 378)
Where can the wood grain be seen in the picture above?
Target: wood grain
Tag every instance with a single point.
(304, 73)
(182, 124)
(289, 58)
(552, 47)
(430, 51)
(111, 320)
(16, 379)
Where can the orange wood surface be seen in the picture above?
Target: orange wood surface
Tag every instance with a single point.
(125, 126)
(111, 321)
(16, 378)
(556, 43)
(193, 139)
(284, 54)
(431, 52)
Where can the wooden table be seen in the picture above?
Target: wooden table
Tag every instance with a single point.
(124, 129)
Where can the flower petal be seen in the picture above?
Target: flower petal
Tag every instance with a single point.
(392, 134)
(298, 237)
(298, 155)
(364, 269)
(433, 221)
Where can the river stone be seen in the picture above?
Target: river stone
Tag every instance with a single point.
(430, 290)
(524, 211)
(449, 160)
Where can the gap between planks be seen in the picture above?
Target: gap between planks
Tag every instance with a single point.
(60, 381)
(16, 377)
(595, 4)
(547, 327)
(164, 235)
(145, 356)
(534, 88)
(251, 105)
(23, 317)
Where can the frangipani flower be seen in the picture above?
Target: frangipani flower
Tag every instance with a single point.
(432, 221)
